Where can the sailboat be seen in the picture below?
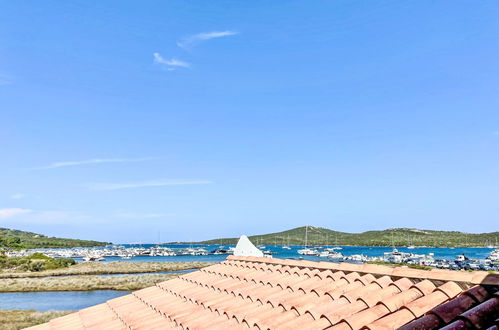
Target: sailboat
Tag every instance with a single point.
(260, 246)
(336, 243)
(286, 247)
(490, 246)
(306, 251)
(410, 246)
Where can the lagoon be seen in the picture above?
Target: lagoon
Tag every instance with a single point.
(56, 300)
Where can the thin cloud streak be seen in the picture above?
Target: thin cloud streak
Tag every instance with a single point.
(17, 196)
(12, 212)
(20, 215)
(170, 63)
(195, 39)
(153, 183)
(4, 80)
(94, 161)
(143, 216)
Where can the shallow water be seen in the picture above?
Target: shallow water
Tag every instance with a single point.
(184, 271)
(57, 300)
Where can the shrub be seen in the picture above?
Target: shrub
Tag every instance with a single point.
(36, 266)
(34, 263)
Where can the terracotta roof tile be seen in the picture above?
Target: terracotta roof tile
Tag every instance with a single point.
(483, 314)
(485, 278)
(44, 326)
(427, 322)
(244, 292)
(358, 320)
(393, 288)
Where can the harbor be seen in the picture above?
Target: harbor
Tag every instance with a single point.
(484, 258)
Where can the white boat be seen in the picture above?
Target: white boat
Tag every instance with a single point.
(307, 252)
(286, 247)
(494, 255)
(335, 255)
(324, 254)
(357, 257)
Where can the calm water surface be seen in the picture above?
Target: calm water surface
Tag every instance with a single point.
(58, 300)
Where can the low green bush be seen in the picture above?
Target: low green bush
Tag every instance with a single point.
(34, 263)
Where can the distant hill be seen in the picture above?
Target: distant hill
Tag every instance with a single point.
(18, 239)
(388, 237)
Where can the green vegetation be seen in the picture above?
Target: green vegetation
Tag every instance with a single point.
(83, 276)
(16, 319)
(117, 267)
(82, 283)
(17, 239)
(388, 237)
(34, 263)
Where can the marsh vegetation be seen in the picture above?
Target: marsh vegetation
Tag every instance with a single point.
(96, 268)
(19, 319)
(82, 283)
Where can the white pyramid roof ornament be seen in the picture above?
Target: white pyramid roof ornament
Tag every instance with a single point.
(245, 248)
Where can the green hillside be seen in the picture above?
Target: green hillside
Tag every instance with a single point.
(388, 237)
(18, 239)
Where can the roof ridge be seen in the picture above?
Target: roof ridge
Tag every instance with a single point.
(463, 277)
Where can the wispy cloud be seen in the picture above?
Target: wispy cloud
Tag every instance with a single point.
(496, 133)
(195, 39)
(4, 80)
(20, 215)
(152, 183)
(171, 64)
(93, 161)
(9, 213)
(143, 216)
(17, 196)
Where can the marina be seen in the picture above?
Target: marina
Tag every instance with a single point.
(486, 258)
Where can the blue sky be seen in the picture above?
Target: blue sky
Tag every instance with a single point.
(202, 119)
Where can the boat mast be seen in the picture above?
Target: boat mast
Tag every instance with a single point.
(306, 235)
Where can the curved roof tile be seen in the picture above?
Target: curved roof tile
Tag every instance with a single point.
(265, 293)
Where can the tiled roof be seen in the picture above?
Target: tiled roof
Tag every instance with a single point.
(269, 293)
